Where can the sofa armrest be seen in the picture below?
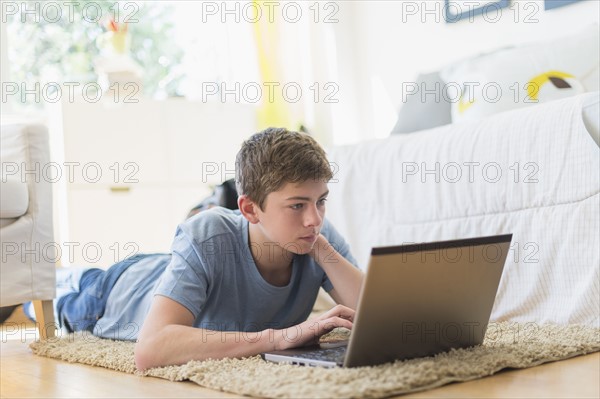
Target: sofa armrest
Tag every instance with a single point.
(14, 198)
(27, 266)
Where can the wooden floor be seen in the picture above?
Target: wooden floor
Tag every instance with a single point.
(23, 375)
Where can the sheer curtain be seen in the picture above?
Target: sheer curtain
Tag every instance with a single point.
(296, 50)
(279, 56)
(217, 53)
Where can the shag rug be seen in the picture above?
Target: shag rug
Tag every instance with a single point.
(506, 345)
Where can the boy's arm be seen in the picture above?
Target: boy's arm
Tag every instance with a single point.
(168, 338)
(345, 277)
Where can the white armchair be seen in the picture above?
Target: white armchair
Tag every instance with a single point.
(27, 264)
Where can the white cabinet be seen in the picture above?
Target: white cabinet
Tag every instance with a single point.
(131, 172)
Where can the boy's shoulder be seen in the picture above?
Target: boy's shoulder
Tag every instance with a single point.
(214, 222)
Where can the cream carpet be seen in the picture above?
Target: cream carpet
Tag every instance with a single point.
(507, 345)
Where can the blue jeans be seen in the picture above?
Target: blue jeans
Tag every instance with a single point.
(79, 304)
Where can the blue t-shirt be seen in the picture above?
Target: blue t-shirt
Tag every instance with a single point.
(212, 273)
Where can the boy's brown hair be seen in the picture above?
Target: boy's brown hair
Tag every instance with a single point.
(276, 156)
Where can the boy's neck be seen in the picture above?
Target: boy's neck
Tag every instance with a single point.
(272, 261)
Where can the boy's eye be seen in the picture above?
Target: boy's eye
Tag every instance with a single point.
(299, 206)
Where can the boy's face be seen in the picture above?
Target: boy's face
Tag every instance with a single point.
(293, 215)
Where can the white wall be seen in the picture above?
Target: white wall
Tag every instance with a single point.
(4, 73)
(384, 40)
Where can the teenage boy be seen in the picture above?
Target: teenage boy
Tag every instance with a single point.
(236, 283)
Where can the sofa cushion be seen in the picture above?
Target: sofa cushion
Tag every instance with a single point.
(524, 76)
(426, 108)
(14, 198)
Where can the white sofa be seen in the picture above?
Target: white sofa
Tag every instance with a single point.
(407, 188)
(27, 266)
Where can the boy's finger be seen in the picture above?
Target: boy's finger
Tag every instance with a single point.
(340, 322)
(323, 326)
(347, 313)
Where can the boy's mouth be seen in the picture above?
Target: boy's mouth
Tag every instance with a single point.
(310, 238)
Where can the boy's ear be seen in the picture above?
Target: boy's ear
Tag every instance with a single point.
(248, 209)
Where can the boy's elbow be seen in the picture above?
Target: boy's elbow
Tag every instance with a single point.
(143, 356)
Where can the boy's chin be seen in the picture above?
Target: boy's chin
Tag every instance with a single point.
(301, 248)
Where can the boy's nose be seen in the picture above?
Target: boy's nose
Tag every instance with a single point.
(313, 217)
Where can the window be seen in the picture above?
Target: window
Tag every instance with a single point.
(57, 48)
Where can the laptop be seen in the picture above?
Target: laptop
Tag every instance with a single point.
(417, 300)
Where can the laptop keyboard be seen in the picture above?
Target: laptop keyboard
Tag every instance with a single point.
(327, 355)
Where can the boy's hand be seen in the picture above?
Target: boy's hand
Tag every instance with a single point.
(344, 276)
(311, 330)
(322, 250)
